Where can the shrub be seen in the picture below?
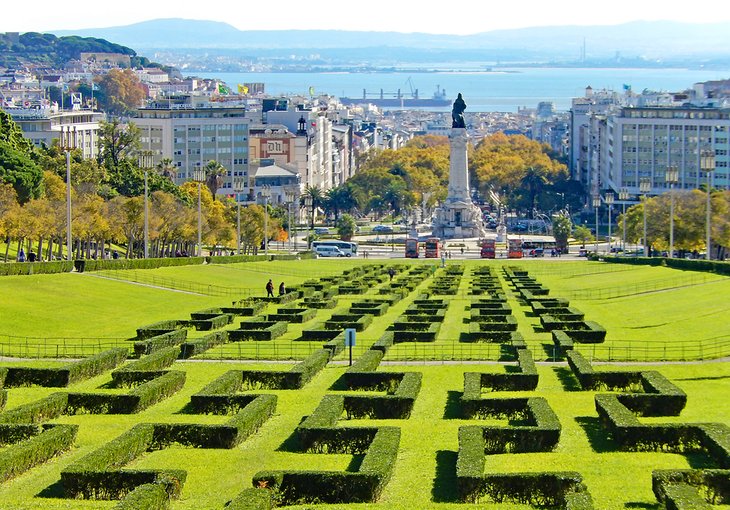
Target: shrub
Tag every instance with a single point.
(191, 348)
(148, 496)
(155, 343)
(67, 374)
(146, 368)
(252, 499)
(44, 445)
(42, 410)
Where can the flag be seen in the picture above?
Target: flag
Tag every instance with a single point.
(627, 87)
(242, 89)
(311, 91)
(222, 89)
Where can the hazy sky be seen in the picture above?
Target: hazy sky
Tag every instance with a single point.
(465, 17)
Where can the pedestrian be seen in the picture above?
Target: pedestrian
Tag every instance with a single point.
(270, 288)
(391, 273)
(115, 255)
(462, 250)
(282, 289)
(31, 256)
(21, 255)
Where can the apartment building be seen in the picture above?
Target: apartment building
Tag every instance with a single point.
(645, 142)
(192, 135)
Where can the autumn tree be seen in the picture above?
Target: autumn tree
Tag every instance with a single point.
(122, 92)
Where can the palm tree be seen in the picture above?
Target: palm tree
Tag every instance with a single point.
(214, 173)
(316, 195)
(166, 169)
(340, 199)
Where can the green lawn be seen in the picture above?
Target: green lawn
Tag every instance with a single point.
(661, 306)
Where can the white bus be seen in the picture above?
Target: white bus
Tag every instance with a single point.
(347, 247)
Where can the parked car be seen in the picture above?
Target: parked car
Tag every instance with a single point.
(382, 229)
(321, 230)
(328, 251)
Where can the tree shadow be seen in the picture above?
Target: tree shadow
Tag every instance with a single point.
(444, 484)
(292, 444)
(638, 504)
(597, 435)
(53, 491)
(700, 460)
(452, 409)
(567, 379)
(553, 352)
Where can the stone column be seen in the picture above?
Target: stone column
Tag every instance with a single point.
(458, 190)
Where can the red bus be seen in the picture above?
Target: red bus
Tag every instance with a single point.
(488, 249)
(514, 248)
(432, 248)
(411, 248)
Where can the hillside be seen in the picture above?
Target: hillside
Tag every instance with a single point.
(50, 50)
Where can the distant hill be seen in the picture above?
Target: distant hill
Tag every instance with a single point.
(52, 51)
(649, 39)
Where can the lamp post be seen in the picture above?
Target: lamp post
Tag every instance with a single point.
(199, 177)
(266, 194)
(290, 197)
(596, 205)
(308, 206)
(145, 162)
(707, 165)
(238, 187)
(68, 143)
(644, 188)
(623, 196)
(671, 177)
(609, 202)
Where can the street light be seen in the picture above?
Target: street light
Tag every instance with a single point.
(596, 205)
(644, 188)
(309, 206)
(145, 160)
(707, 165)
(291, 195)
(671, 177)
(623, 196)
(238, 187)
(609, 202)
(68, 143)
(199, 177)
(266, 194)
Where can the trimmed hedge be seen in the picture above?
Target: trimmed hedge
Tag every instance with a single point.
(154, 343)
(713, 266)
(258, 330)
(65, 375)
(158, 328)
(681, 489)
(43, 445)
(359, 322)
(27, 268)
(474, 382)
(52, 406)
(583, 332)
(252, 499)
(140, 398)
(293, 315)
(190, 348)
(148, 496)
(146, 368)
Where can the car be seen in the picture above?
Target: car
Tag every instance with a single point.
(382, 229)
(321, 230)
(520, 227)
(328, 251)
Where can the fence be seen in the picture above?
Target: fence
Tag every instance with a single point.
(175, 284)
(28, 347)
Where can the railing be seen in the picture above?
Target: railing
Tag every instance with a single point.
(28, 347)
(174, 284)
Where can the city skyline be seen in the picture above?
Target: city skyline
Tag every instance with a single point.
(466, 18)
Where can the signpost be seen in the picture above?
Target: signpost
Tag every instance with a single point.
(350, 340)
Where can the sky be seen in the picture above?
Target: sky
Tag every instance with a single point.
(466, 17)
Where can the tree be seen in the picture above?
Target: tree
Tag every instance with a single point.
(317, 197)
(116, 142)
(17, 165)
(533, 181)
(122, 91)
(582, 234)
(562, 226)
(214, 173)
(340, 199)
(346, 227)
(166, 170)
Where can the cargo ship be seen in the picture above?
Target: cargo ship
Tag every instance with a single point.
(399, 99)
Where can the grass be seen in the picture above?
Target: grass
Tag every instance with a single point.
(74, 304)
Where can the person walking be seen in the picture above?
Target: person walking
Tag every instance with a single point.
(270, 288)
(282, 289)
(391, 273)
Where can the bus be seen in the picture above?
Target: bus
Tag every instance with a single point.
(432, 248)
(514, 247)
(488, 250)
(411, 248)
(349, 248)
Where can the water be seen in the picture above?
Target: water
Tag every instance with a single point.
(503, 90)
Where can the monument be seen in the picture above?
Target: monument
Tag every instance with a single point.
(458, 216)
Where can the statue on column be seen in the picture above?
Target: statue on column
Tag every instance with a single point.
(457, 113)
